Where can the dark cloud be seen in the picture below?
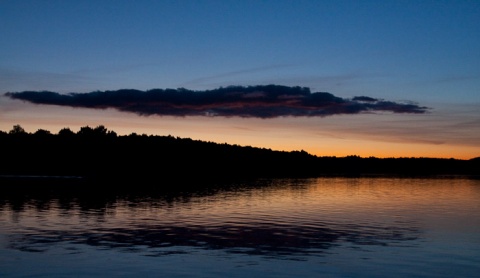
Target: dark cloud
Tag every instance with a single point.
(364, 98)
(234, 101)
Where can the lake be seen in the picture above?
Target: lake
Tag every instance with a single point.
(321, 227)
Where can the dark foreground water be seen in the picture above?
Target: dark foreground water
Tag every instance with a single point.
(326, 227)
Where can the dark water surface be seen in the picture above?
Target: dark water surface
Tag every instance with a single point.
(325, 227)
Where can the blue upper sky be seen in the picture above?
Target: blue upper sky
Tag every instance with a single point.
(423, 51)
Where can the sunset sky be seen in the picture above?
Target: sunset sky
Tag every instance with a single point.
(383, 78)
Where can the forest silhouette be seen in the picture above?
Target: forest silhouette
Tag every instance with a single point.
(100, 154)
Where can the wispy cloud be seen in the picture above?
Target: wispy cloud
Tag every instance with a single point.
(265, 101)
(208, 79)
(457, 78)
(40, 79)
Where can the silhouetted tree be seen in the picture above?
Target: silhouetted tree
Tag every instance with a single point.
(111, 134)
(85, 131)
(17, 129)
(100, 130)
(66, 132)
(42, 132)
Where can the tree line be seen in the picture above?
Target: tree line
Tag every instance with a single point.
(101, 154)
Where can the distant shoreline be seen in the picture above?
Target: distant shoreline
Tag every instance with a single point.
(38, 177)
(35, 178)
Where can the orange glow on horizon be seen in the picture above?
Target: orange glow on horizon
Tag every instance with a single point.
(362, 135)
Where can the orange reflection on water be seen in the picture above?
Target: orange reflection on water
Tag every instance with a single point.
(322, 201)
(328, 199)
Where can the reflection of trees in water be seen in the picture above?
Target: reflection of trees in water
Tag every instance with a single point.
(90, 196)
(263, 239)
(159, 238)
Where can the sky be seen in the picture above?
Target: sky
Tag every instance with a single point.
(333, 78)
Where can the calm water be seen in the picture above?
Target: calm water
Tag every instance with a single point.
(326, 227)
